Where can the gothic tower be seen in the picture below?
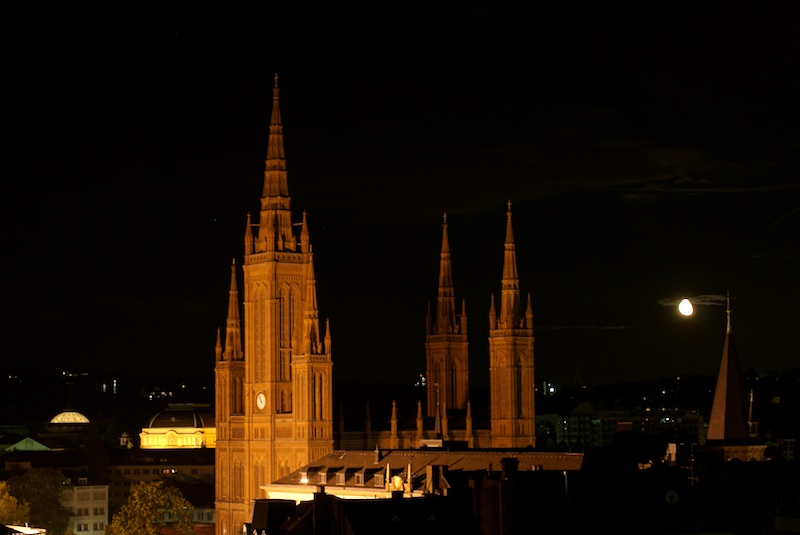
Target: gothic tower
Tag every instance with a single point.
(274, 399)
(511, 359)
(447, 359)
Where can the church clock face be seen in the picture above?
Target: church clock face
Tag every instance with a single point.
(261, 401)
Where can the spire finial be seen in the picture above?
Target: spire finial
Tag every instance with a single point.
(276, 79)
(444, 218)
(509, 206)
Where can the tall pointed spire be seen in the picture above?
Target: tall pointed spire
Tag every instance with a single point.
(275, 222)
(446, 344)
(446, 302)
(233, 326)
(727, 420)
(275, 179)
(510, 314)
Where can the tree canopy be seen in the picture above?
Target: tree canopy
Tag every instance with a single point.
(151, 506)
(41, 489)
(12, 511)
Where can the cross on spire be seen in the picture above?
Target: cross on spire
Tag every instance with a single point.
(276, 79)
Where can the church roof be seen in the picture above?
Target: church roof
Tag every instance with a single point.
(183, 415)
(351, 462)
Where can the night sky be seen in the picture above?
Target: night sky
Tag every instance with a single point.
(649, 155)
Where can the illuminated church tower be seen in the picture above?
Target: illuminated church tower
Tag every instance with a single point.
(511, 359)
(447, 358)
(274, 399)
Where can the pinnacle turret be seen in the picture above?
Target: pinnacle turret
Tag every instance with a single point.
(233, 326)
(311, 344)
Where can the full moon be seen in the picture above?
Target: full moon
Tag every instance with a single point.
(685, 307)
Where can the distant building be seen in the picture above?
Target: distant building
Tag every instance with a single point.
(587, 427)
(88, 507)
(180, 425)
(192, 467)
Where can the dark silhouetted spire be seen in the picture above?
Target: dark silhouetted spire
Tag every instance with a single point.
(727, 420)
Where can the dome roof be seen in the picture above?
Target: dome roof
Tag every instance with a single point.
(69, 417)
(183, 415)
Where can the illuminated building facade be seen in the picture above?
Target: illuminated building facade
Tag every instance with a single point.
(180, 426)
(273, 374)
(273, 408)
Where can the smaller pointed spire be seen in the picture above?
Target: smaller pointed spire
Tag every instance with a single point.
(509, 230)
(233, 327)
(393, 425)
(328, 337)
(218, 347)
(445, 430)
(469, 421)
(311, 341)
(492, 314)
(419, 420)
(437, 429)
(305, 244)
(529, 314)
(248, 236)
